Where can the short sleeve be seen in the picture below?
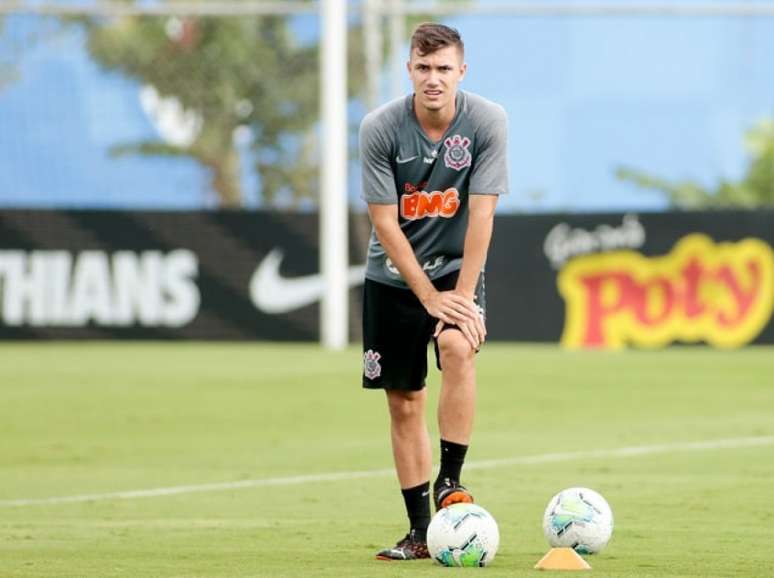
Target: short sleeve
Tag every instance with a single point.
(378, 180)
(490, 168)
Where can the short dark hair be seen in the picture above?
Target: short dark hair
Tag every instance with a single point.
(429, 37)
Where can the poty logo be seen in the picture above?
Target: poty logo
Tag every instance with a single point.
(702, 291)
(421, 204)
(457, 155)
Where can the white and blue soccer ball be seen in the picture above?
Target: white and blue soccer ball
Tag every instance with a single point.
(578, 518)
(463, 535)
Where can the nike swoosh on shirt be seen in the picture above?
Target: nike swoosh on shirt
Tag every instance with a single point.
(272, 293)
(401, 161)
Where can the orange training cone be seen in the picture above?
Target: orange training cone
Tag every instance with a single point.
(562, 559)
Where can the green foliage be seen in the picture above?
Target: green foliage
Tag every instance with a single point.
(229, 73)
(756, 189)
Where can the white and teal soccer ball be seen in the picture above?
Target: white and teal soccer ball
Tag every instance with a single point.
(463, 535)
(578, 518)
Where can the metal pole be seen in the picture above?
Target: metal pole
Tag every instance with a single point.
(519, 9)
(372, 38)
(334, 319)
(397, 34)
(181, 8)
(612, 9)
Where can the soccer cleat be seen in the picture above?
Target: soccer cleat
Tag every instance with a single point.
(450, 492)
(409, 548)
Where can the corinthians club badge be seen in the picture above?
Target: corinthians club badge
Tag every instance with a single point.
(372, 368)
(457, 155)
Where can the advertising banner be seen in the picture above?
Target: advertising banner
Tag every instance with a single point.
(163, 275)
(648, 280)
(585, 281)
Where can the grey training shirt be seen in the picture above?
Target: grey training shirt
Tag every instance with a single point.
(430, 181)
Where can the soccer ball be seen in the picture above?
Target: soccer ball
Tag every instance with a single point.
(463, 535)
(578, 518)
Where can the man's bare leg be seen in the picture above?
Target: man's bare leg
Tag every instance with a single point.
(413, 463)
(456, 410)
(410, 440)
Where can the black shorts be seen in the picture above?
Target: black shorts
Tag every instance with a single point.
(396, 331)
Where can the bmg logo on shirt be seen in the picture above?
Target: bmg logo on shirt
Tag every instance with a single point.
(421, 204)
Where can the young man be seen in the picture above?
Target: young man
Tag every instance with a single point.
(433, 166)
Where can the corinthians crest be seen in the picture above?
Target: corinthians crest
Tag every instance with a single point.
(457, 155)
(371, 366)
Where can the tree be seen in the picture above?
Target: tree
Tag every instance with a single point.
(756, 188)
(228, 73)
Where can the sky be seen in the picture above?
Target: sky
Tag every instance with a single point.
(585, 95)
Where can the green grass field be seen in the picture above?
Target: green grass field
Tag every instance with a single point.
(81, 419)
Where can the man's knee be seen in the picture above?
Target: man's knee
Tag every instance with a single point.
(406, 405)
(455, 351)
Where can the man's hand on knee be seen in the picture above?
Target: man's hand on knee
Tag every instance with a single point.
(473, 329)
(451, 307)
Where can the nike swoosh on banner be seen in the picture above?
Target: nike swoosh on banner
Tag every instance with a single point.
(272, 293)
(401, 161)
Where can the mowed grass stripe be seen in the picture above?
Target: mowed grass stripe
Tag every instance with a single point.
(624, 452)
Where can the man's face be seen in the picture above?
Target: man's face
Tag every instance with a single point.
(435, 77)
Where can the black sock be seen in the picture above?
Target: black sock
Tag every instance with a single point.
(418, 508)
(452, 458)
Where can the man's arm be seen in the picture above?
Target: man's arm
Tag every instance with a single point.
(490, 179)
(481, 211)
(477, 238)
(448, 306)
